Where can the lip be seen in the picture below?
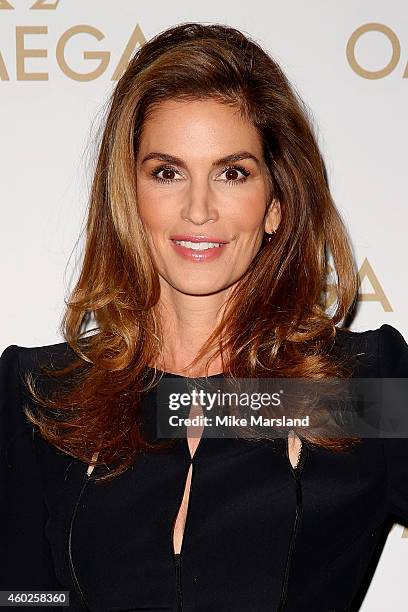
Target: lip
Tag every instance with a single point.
(200, 238)
(199, 256)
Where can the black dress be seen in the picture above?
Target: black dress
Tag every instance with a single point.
(259, 535)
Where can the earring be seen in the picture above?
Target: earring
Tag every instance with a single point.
(269, 235)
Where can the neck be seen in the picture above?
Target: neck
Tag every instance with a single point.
(187, 322)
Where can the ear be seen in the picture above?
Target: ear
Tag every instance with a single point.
(273, 216)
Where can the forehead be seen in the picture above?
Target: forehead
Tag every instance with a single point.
(207, 124)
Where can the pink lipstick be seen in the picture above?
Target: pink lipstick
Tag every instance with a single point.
(198, 248)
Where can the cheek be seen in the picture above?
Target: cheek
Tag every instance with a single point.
(248, 212)
(154, 216)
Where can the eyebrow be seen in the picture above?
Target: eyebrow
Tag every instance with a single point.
(228, 159)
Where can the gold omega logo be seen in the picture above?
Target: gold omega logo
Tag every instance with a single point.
(393, 60)
(25, 33)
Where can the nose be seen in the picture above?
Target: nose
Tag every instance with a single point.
(200, 206)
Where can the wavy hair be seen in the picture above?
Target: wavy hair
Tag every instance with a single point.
(275, 321)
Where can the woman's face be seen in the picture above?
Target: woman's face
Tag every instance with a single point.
(201, 177)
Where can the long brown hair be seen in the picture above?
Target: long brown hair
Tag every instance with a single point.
(276, 321)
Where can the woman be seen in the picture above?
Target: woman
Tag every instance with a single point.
(208, 236)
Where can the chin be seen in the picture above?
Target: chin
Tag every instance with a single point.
(190, 286)
(199, 289)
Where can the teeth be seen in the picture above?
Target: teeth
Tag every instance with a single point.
(198, 246)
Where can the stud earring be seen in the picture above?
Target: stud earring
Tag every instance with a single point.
(269, 235)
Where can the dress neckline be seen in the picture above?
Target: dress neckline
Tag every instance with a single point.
(173, 375)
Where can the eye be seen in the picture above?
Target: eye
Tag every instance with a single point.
(168, 171)
(233, 176)
(232, 173)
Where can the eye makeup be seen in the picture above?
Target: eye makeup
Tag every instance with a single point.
(155, 174)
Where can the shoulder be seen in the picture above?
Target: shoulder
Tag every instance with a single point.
(16, 362)
(20, 358)
(382, 352)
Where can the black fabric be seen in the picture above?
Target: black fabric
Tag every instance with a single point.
(259, 536)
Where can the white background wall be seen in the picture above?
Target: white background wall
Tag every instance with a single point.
(46, 126)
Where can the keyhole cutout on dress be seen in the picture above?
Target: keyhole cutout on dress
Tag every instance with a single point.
(91, 466)
(193, 438)
(294, 448)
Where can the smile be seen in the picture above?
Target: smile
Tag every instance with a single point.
(198, 251)
(198, 246)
